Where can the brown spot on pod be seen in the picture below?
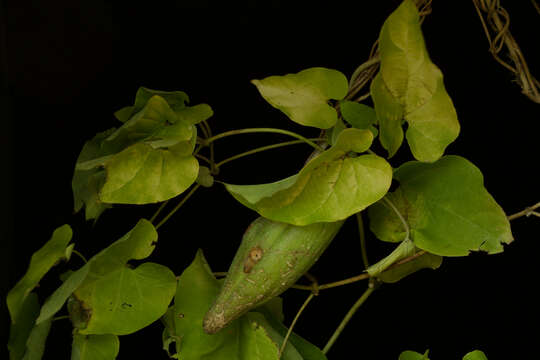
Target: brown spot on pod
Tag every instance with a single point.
(253, 257)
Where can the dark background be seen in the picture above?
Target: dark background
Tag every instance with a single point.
(67, 66)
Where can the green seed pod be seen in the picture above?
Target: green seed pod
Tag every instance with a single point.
(271, 257)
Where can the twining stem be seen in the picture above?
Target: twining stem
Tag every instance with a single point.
(362, 235)
(204, 158)
(79, 255)
(260, 130)
(264, 148)
(178, 206)
(213, 167)
(158, 211)
(347, 318)
(304, 305)
(333, 284)
(526, 212)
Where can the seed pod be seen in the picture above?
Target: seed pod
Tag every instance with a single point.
(271, 257)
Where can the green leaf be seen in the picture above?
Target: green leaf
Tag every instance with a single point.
(195, 114)
(304, 96)
(334, 132)
(156, 123)
(425, 261)
(22, 326)
(116, 299)
(384, 222)
(448, 210)
(331, 187)
(148, 159)
(86, 183)
(177, 100)
(35, 345)
(410, 86)
(248, 338)
(358, 115)
(413, 355)
(475, 355)
(124, 113)
(389, 116)
(55, 302)
(140, 174)
(127, 300)
(41, 262)
(95, 347)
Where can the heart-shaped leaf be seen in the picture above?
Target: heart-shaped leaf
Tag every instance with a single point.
(113, 298)
(447, 208)
(126, 300)
(41, 262)
(410, 86)
(304, 96)
(331, 187)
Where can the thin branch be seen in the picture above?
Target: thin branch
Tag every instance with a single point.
(79, 255)
(526, 212)
(260, 130)
(348, 317)
(362, 235)
(264, 148)
(178, 206)
(304, 305)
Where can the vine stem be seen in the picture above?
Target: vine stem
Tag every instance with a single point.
(362, 235)
(260, 130)
(348, 317)
(177, 206)
(79, 255)
(158, 211)
(304, 305)
(526, 212)
(264, 148)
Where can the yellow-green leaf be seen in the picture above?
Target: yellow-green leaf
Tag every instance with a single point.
(304, 96)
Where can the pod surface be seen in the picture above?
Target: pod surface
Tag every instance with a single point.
(271, 257)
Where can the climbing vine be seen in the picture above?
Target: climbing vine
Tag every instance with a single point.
(162, 150)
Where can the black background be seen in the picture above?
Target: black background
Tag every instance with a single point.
(67, 66)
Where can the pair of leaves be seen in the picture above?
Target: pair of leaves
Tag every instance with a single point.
(412, 355)
(409, 86)
(447, 208)
(251, 337)
(109, 297)
(357, 115)
(331, 187)
(27, 340)
(148, 159)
